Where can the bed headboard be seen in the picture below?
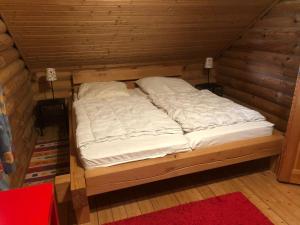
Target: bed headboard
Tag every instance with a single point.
(125, 74)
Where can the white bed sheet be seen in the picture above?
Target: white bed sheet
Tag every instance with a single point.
(226, 134)
(117, 152)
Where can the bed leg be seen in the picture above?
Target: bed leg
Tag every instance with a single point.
(81, 207)
(77, 177)
(274, 161)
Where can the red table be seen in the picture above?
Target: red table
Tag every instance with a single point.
(33, 205)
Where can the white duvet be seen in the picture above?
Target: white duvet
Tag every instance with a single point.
(199, 110)
(119, 118)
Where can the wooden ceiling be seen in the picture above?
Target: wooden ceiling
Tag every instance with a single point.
(84, 33)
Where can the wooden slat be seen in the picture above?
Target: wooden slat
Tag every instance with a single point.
(284, 210)
(268, 58)
(275, 84)
(264, 69)
(144, 30)
(8, 56)
(22, 161)
(261, 67)
(236, 185)
(126, 73)
(15, 100)
(289, 165)
(295, 177)
(254, 185)
(250, 99)
(14, 85)
(15, 81)
(77, 178)
(283, 101)
(264, 12)
(62, 188)
(5, 41)
(12, 69)
(280, 123)
(2, 26)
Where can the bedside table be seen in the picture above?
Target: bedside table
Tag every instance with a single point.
(50, 112)
(213, 87)
(29, 205)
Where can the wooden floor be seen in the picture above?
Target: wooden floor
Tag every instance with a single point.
(279, 202)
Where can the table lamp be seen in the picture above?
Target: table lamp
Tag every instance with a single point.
(209, 64)
(51, 76)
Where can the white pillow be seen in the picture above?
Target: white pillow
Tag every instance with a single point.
(102, 90)
(164, 85)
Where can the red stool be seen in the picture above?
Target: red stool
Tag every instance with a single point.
(34, 205)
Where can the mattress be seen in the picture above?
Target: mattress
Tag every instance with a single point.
(109, 153)
(230, 133)
(106, 154)
(124, 129)
(118, 152)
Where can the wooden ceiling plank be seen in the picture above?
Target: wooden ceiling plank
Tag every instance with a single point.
(67, 32)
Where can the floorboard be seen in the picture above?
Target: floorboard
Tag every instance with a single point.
(279, 202)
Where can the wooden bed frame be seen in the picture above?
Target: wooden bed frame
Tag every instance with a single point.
(85, 183)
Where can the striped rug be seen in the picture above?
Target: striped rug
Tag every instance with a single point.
(49, 159)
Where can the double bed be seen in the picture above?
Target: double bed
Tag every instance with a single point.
(130, 140)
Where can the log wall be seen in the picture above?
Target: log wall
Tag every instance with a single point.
(260, 68)
(75, 34)
(18, 96)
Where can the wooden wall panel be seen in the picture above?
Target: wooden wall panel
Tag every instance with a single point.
(260, 68)
(15, 80)
(73, 34)
(289, 169)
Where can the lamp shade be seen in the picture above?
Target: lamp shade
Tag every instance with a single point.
(209, 63)
(51, 74)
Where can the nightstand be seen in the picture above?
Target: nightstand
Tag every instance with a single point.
(51, 112)
(213, 87)
(29, 205)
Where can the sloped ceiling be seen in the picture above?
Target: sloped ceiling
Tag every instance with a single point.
(83, 33)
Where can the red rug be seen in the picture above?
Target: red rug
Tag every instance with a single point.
(231, 209)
